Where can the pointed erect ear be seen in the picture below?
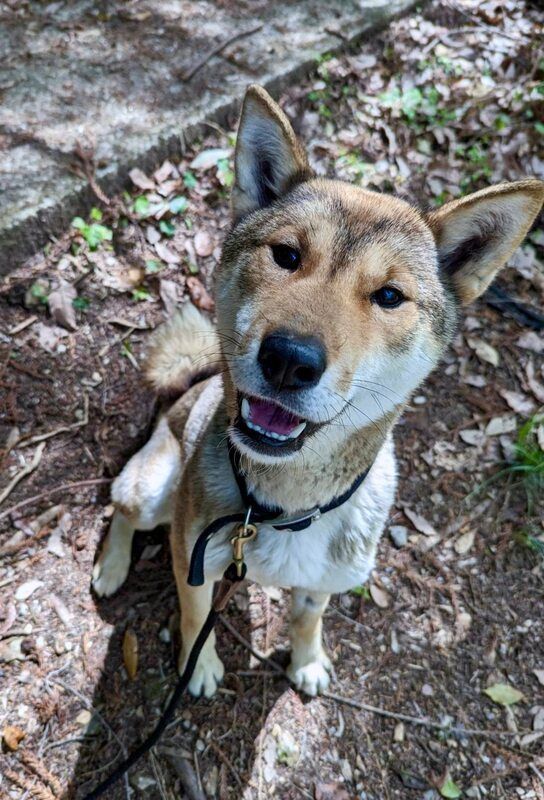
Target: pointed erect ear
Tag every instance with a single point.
(477, 234)
(269, 160)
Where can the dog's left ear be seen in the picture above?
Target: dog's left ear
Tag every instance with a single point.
(477, 234)
(269, 159)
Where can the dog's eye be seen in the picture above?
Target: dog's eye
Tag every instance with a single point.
(286, 257)
(388, 297)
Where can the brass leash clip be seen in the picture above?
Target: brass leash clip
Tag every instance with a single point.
(245, 532)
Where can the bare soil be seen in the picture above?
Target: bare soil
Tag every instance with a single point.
(453, 611)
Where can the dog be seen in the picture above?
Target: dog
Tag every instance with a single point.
(333, 304)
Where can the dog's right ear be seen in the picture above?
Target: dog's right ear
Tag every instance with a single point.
(269, 160)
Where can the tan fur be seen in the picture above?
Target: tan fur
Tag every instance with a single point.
(186, 343)
(351, 244)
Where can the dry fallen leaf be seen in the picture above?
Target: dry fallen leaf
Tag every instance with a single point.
(209, 158)
(518, 402)
(420, 523)
(531, 341)
(331, 791)
(499, 425)
(199, 295)
(484, 351)
(503, 694)
(203, 244)
(168, 291)
(11, 736)
(539, 675)
(166, 255)
(60, 302)
(380, 596)
(140, 179)
(130, 653)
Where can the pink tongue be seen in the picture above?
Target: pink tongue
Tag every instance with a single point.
(271, 417)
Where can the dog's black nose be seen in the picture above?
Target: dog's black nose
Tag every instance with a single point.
(289, 361)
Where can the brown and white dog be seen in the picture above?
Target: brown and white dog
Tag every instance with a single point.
(333, 304)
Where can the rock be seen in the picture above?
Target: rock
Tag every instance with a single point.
(84, 717)
(398, 733)
(399, 535)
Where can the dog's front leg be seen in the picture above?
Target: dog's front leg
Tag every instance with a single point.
(310, 665)
(195, 602)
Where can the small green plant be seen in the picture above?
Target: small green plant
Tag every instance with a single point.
(189, 180)
(94, 233)
(529, 463)
(361, 591)
(141, 293)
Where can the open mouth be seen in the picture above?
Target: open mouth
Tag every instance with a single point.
(269, 425)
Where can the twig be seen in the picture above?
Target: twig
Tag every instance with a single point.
(65, 487)
(382, 712)
(86, 157)
(22, 325)
(185, 772)
(189, 73)
(37, 457)
(41, 437)
(259, 656)
(215, 747)
(426, 723)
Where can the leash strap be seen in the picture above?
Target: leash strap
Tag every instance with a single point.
(226, 589)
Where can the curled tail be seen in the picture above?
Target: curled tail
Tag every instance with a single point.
(183, 351)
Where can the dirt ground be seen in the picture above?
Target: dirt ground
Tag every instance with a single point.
(447, 101)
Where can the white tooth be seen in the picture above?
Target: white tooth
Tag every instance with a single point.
(245, 408)
(296, 431)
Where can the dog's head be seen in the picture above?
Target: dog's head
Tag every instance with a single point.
(335, 302)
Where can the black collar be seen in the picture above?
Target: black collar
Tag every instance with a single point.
(259, 513)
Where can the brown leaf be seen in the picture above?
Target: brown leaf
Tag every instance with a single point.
(61, 307)
(419, 522)
(12, 736)
(168, 291)
(130, 653)
(518, 402)
(140, 179)
(203, 244)
(331, 791)
(10, 617)
(380, 596)
(199, 295)
(165, 254)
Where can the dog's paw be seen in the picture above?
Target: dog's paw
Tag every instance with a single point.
(208, 673)
(110, 572)
(312, 678)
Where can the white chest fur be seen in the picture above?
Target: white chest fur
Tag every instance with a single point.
(334, 554)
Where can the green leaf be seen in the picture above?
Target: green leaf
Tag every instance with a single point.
(81, 303)
(503, 694)
(39, 291)
(193, 268)
(361, 591)
(539, 128)
(140, 293)
(79, 223)
(141, 205)
(178, 204)
(189, 180)
(168, 228)
(96, 214)
(450, 789)
(224, 173)
(153, 266)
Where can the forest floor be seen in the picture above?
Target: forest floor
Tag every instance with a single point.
(446, 101)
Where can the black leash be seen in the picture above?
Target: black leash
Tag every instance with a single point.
(227, 587)
(233, 575)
